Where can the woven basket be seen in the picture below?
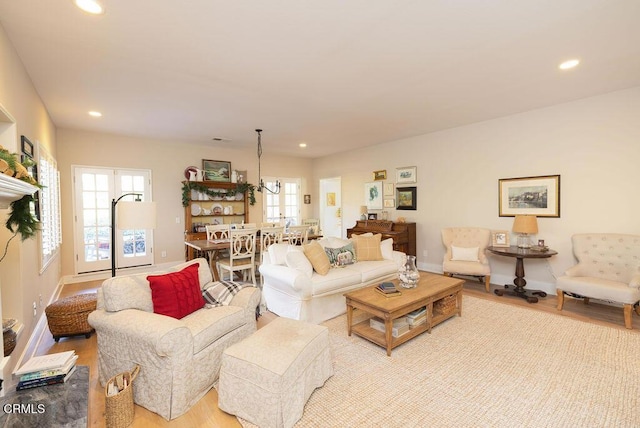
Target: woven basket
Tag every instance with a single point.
(119, 408)
(445, 305)
(68, 316)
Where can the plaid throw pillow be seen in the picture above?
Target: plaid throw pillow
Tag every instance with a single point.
(221, 292)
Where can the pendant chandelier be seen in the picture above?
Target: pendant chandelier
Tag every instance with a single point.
(261, 185)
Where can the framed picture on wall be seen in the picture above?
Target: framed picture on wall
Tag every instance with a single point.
(406, 174)
(406, 198)
(373, 195)
(539, 196)
(26, 146)
(380, 175)
(215, 170)
(388, 189)
(389, 203)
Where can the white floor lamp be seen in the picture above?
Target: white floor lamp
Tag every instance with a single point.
(131, 215)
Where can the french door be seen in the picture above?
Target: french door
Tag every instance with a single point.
(285, 206)
(94, 189)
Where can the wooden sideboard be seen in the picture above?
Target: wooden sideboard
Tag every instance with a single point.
(403, 234)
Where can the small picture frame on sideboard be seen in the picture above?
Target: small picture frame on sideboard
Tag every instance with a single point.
(500, 238)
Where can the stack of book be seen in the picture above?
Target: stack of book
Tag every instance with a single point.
(46, 370)
(388, 289)
(417, 317)
(400, 325)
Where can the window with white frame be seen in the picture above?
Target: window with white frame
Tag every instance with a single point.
(49, 201)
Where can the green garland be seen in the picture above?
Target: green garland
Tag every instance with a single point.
(21, 220)
(188, 186)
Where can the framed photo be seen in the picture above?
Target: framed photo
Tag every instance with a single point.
(372, 216)
(406, 197)
(331, 199)
(389, 203)
(539, 196)
(500, 238)
(388, 189)
(373, 195)
(26, 146)
(215, 170)
(307, 199)
(380, 175)
(407, 174)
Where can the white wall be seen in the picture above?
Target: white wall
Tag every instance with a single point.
(22, 281)
(594, 144)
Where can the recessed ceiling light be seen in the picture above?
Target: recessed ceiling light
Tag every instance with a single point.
(95, 114)
(303, 145)
(90, 6)
(569, 64)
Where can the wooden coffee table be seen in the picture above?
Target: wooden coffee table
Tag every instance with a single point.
(432, 288)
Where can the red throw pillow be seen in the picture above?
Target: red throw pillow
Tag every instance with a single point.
(176, 294)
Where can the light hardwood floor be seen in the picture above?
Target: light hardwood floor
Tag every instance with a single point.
(206, 412)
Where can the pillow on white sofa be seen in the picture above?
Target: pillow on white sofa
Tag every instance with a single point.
(296, 259)
(386, 247)
(464, 254)
(278, 253)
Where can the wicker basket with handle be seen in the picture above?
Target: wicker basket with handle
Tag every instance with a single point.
(119, 409)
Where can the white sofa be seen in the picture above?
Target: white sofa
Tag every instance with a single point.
(608, 269)
(292, 289)
(179, 358)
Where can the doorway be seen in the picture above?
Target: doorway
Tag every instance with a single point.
(331, 206)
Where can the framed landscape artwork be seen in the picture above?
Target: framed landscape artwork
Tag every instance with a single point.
(406, 197)
(539, 196)
(373, 195)
(215, 170)
(380, 175)
(407, 174)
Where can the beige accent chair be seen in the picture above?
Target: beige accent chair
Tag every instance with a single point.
(608, 269)
(465, 254)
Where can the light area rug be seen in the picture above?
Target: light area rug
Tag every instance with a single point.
(496, 366)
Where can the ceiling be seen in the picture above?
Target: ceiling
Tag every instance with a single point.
(335, 74)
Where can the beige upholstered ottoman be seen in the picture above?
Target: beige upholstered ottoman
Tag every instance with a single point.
(268, 377)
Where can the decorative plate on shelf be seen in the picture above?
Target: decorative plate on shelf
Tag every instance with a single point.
(188, 170)
(216, 209)
(196, 209)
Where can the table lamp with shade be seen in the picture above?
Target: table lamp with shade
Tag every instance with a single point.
(525, 225)
(363, 212)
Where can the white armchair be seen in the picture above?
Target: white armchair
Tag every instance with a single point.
(465, 254)
(179, 359)
(608, 269)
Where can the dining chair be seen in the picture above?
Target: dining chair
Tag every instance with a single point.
(297, 235)
(268, 236)
(216, 232)
(312, 223)
(242, 253)
(243, 226)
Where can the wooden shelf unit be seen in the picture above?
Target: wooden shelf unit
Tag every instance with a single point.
(191, 222)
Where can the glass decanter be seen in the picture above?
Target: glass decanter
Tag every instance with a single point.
(408, 273)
